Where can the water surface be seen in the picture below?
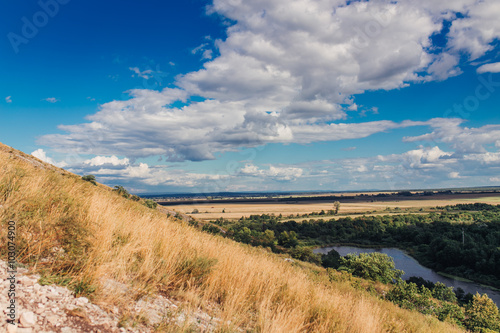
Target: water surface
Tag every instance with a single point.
(411, 267)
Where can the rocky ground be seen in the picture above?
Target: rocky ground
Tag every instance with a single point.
(50, 308)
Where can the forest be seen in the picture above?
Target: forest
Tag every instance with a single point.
(461, 240)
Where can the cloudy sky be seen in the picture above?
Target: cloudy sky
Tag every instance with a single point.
(274, 95)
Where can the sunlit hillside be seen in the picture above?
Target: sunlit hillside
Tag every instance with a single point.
(104, 236)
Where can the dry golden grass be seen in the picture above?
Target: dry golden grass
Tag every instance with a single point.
(108, 237)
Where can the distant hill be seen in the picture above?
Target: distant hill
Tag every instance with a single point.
(116, 251)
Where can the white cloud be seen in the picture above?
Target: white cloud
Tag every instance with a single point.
(489, 68)
(475, 32)
(454, 175)
(484, 158)
(275, 173)
(287, 73)
(462, 139)
(103, 160)
(8, 99)
(206, 52)
(51, 100)
(425, 158)
(42, 155)
(146, 74)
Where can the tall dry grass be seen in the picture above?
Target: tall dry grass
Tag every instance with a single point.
(106, 237)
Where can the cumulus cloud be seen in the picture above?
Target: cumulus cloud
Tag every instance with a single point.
(464, 140)
(489, 68)
(287, 73)
(8, 99)
(275, 173)
(476, 30)
(112, 170)
(422, 167)
(51, 100)
(42, 155)
(103, 160)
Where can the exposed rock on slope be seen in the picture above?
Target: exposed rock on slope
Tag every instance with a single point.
(44, 308)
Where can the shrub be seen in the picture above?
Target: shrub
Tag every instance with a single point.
(90, 179)
(373, 266)
(210, 229)
(482, 314)
(121, 191)
(450, 312)
(305, 254)
(409, 296)
(150, 203)
(135, 198)
(331, 259)
(443, 293)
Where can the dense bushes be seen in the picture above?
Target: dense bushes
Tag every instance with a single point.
(463, 243)
(482, 313)
(463, 240)
(372, 266)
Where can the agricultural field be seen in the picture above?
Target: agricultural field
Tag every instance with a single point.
(359, 205)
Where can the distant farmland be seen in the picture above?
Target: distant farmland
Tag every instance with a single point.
(354, 205)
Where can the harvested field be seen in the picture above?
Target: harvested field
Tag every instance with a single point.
(368, 206)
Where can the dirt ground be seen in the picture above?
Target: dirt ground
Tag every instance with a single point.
(212, 211)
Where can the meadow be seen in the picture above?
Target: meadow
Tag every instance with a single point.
(80, 235)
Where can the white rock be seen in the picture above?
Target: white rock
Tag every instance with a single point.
(53, 320)
(24, 330)
(26, 281)
(27, 319)
(82, 300)
(67, 330)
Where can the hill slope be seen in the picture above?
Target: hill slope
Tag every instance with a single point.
(88, 237)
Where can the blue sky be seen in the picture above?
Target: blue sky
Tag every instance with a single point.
(207, 96)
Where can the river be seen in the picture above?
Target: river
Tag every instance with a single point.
(411, 267)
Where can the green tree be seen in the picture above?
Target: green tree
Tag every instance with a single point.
(244, 235)
(268, 238)
(336, 207)
(305, 254)
(331, 259)
(482, 313)
(373, 266)
(408, 296)
(451, 313)
(288, 239)
(443, 293)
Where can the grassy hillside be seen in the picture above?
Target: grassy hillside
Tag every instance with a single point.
(81, 235)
